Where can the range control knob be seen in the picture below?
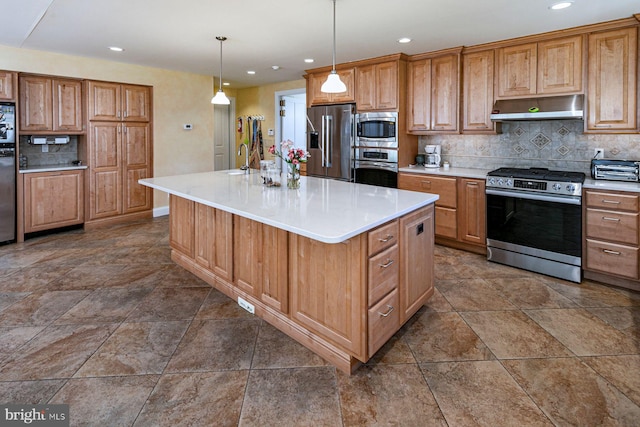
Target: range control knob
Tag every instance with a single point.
(500, 182)
(509, 183)
(556, 187)
(492, 181)
(571, 188)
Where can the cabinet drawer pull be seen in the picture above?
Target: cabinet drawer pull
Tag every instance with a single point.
(390, 307)
(386, 239)
(610, 252)
(472, 184)
(615, 202)
(606, 218)
(387, 264)
(603, 126)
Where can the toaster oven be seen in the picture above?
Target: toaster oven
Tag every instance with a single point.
(615, 170)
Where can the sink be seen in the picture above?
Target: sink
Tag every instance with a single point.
(236, 172)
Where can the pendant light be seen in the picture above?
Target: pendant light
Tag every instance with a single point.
(220, 97)
(333, 83)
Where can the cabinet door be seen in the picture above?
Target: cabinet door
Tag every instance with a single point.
(314, 94)
(247, 246)
(366, 92)
(214, 241)
(105, 169)
(387, 86)
(274, 284)
(35, 104)
(477, 98)
(419, 96)
(444, 93)
(613, 61)
(135, 103)
(517, 69)
(53, 199)
(328, 290)
(8, 86)
(560, 66)
(136, 152)
(348, 78)
(67, 105)
(416, 278)
(471, 211)
(104, 101)
(182, 225)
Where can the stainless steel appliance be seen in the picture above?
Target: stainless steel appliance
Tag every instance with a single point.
(615, 170)
(565, 107)
(7, 172)
(375, 151)
(330, 133)
(534, 220)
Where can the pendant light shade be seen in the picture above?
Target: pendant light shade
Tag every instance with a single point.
(220, 98)
(333, 83)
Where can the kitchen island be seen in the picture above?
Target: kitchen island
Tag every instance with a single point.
(337, 266)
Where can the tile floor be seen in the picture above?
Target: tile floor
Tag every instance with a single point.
(105, 322)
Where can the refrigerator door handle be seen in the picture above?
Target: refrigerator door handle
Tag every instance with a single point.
(329, 134)
(323, 136)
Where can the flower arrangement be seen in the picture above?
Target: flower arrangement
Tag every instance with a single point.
(293, 157)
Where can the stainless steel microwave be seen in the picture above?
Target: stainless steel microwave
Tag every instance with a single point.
(377, 127)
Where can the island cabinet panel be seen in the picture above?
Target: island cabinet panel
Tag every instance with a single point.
(416, 275)
(328, 290)
(53, 199)
(247, 246)
(8, 86)
(214, 241)
(613, 80)
(477, 92)
(182, 225)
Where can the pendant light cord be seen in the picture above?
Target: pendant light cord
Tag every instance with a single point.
(221, 39)
(334, 35)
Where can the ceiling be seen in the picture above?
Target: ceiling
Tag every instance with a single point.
(180, 35)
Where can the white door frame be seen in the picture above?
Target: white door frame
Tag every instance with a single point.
(278, 97)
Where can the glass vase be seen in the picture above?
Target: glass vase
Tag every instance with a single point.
(293, 176)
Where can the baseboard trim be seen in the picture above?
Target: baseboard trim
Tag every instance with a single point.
(161, 211)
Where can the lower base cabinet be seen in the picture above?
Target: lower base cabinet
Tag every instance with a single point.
(343, 301)
(53, 199)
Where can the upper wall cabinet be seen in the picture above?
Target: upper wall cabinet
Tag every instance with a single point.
(613, 74)
(118, 102)
(50, 105)
(377, 87)
(477, 92)
(543, 68)
(432, 99)
(316, 97)
(8, 86)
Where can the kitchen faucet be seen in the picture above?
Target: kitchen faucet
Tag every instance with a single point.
(246, 157)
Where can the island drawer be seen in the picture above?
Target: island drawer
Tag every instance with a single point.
(383, 237)
(611, 258)
(613, 201)
(618, 226)
(384, 321)
(383, 273)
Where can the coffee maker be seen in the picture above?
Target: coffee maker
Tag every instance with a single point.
(432, 159)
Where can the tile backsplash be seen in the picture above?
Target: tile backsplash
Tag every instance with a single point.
(59, 154)
(556, 144)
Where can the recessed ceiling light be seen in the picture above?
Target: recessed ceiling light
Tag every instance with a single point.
(251, 72)
(116, 48)
(308, 60)
(226, 84)
(561, 5)
(404, 40)
(275, 67)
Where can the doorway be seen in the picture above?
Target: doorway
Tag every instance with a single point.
(224, 136)
(293, 122)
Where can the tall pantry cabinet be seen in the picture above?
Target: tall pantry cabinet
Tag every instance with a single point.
(120, 151)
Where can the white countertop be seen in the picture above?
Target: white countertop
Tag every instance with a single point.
(322, 209)
(50, 168)
(452, 171)
(611, 185)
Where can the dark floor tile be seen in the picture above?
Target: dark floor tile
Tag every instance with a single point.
(292, 397)
(530, 292)
(216, 345)
(85, 277)
(14, 337)
(274, 349)
(219, 306)
(40, 308)
(106, 305)
(387, 395)
(7, 299)
(31, 392)
(136, 275)
(135, 349)
(621, 371)
(624, 319)
(572, 394)
(393, 352)
(437, 302)
(589, 294)
(481, 393)
(177, 277)
(32, 279)
(195, 399)
(111, 401)
(164, 304)
(473, 294)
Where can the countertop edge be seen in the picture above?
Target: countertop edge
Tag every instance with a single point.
(452, 171)
(34, 169)
(593, 184)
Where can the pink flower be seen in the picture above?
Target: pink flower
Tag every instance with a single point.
(272, 149)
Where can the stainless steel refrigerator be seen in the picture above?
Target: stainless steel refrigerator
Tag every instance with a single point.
(7, 172)
(330, 133)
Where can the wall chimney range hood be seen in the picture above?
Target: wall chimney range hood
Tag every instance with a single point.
(568, 107)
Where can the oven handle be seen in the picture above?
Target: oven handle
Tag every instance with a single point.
(530, 196)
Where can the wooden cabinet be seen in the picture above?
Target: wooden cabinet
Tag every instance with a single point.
(50, 105)
(432, 99)
(477, 92)
(613, 80)
(611, 234)
(214, 241)
(136, 164)
(53, 199)
(8, 86)
(181, 227)
(472, 211)
(316, 97)
(119, 102)
(545, 68)
(377, 87)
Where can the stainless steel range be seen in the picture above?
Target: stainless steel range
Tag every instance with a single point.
(534, 220)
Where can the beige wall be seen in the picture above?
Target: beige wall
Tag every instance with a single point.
(179, 98)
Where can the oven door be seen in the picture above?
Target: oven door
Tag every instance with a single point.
(383, 174)
(536, 224)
